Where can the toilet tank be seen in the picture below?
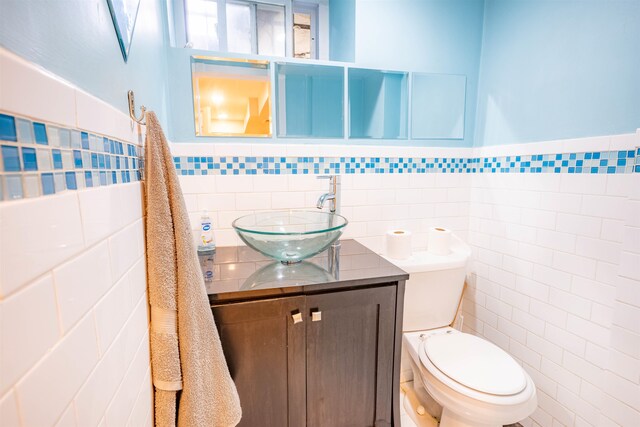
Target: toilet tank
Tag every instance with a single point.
(434, 288)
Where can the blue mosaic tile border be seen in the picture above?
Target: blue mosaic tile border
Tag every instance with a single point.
(600, 162)
(38, 159)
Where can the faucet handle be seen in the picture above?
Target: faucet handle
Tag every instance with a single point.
(325, 176)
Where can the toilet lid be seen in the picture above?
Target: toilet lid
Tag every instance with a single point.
(475, 363)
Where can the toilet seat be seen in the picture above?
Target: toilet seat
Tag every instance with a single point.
(475, 363)
(463, 405)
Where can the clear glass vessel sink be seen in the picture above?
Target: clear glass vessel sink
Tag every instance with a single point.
(290, 236)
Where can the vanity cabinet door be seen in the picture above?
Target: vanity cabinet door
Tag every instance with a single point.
(265, 351)
(350, 349)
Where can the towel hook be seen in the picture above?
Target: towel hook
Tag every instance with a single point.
(132, 109)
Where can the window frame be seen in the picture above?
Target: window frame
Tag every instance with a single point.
(179, 31)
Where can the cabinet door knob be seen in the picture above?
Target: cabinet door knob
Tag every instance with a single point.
(297, 317)
(316, 316)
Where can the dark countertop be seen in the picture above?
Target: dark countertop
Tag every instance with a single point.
(241, 273)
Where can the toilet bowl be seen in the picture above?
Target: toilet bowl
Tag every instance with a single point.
(462, 379)
(476, 383)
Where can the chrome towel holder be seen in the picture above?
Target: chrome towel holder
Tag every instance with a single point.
(132, 109)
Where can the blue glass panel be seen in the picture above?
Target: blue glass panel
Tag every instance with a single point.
(70, 178)
(311, 98)
(77, 159)
(438, 105)
(65, 137)
(88, 179)
(25, 131)
(85, 140)
(10, 158)
(48, 184)
(377, 104)
(29, 159)
(57, 159)
(40, 133)
(13, 184)
(7, 128)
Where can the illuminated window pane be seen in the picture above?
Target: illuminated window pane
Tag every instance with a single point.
(202, 24)
(271, 34)
(239, 27)
(231, 97)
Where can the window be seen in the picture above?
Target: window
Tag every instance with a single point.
(202, 24)
(252, 27)
(305, 32)
(232, 97)
(236, 26)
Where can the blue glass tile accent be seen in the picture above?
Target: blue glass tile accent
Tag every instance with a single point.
(10, 158)
(48, 184)
(77, 159)
(40, 133)
(107, 156)
(57, 158)
(13, 185)
(70, 178)
(24, 129)
(76, 139)
(8, 128)
(84, 137)
(29, 159)
(88, 179)
(58, 179)
(65, 137)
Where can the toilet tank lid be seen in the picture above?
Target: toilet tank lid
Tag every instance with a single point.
(423, 261)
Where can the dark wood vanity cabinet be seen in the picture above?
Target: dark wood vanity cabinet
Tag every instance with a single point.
(331, 366)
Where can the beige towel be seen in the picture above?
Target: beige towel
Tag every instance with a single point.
(186, 353)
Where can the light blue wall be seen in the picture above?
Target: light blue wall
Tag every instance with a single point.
(76, 40)
(555, 69)
(435, 36)
(342, 31)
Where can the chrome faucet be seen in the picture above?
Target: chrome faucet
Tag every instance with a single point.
(333, 195)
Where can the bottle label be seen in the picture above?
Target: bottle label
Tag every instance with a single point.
(206, 234)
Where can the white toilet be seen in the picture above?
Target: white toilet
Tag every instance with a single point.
(460, 378)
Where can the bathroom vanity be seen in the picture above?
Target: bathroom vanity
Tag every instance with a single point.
(311, 344)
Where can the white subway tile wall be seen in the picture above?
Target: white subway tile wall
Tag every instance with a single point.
(372, 203)
(554, 284)
(547, 251)
(74, 348)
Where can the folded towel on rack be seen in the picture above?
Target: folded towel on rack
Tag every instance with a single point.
(186, 353)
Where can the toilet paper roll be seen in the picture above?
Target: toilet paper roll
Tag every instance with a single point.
(439, 241)
(399, 244)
